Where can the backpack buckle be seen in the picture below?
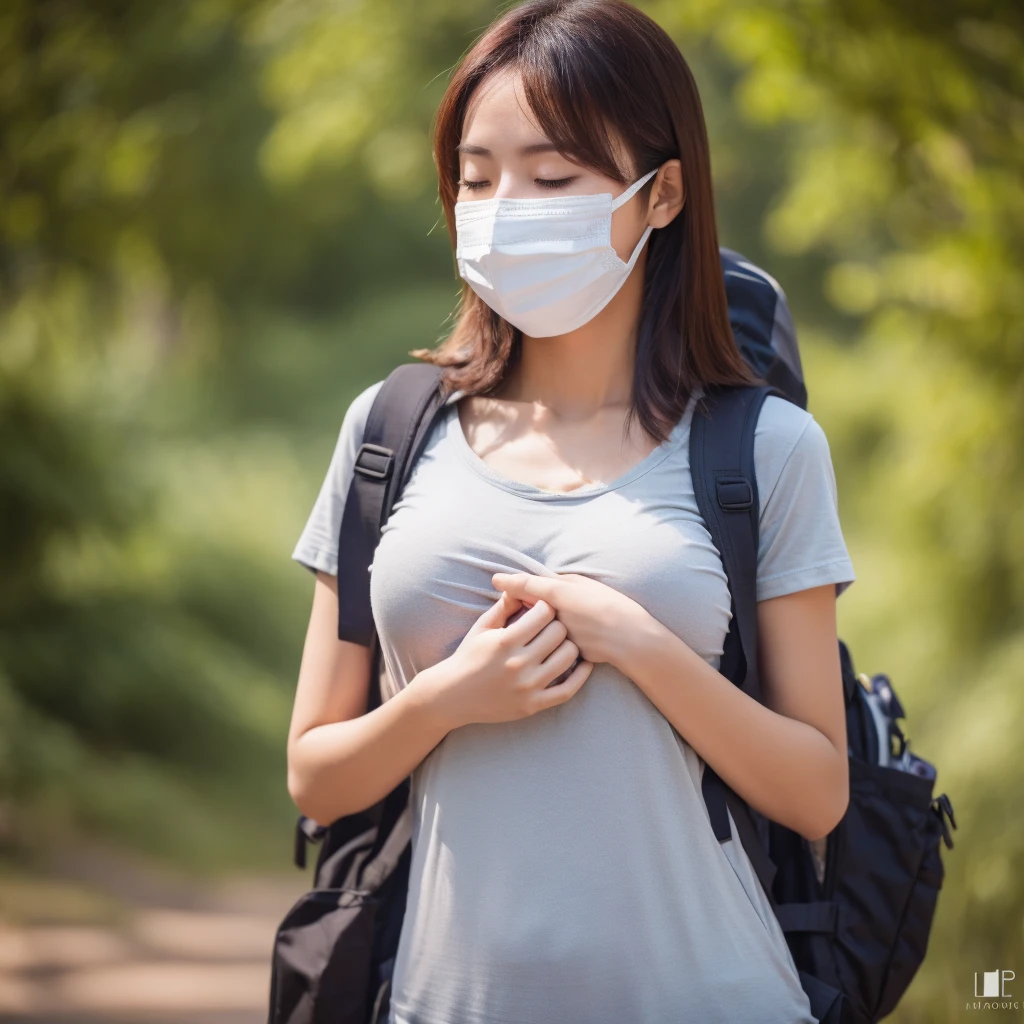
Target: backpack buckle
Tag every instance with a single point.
(734, 493)
(306, 831)
(375, 461)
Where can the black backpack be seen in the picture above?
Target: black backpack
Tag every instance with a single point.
(856, 908)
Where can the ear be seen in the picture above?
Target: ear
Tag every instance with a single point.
(668, 194)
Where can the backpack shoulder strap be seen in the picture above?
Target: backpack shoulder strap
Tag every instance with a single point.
(403, 411)
(725, 485)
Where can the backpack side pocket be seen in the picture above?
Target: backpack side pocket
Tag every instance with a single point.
(881, 883)
(915, 928)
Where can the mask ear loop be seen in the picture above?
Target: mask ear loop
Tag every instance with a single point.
(625, 197)
(633, 189)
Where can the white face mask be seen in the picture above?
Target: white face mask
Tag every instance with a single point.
(546, 265)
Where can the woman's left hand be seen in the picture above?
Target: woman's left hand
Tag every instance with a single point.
(596, 616)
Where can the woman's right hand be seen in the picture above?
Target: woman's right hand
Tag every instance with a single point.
(501, 673)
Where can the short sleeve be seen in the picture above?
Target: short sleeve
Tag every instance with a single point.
(317, 548)
(801, 542)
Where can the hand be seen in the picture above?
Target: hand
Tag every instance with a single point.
(502, 673)
(596, 616)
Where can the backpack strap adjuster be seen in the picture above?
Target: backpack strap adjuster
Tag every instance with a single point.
(821, 917)
(734, 493)
(375, 461)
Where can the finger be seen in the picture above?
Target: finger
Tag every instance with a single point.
(551, 696)
(546, 641)
(559, 661)
(525, 586)
(498, 614)
(528, 625)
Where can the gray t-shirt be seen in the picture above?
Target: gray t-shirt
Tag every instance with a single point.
(564, 867)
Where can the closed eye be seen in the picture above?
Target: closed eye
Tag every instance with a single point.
(473, 186)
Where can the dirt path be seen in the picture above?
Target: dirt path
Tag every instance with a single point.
(113, 942)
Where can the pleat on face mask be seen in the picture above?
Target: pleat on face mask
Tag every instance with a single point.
(546, 265)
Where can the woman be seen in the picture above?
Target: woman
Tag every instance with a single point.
(564, 868)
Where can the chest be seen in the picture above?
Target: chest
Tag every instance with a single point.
(453, 528)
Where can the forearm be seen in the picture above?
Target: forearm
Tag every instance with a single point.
(784, 768)
(344, 767)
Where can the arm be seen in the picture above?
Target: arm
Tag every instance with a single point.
(787, 758)
(340, 758)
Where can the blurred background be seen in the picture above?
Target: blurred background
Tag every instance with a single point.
(218, 223)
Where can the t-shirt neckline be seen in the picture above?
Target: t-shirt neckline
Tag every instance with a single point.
(454, 431)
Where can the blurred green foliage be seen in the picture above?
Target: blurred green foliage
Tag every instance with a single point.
(218, 222)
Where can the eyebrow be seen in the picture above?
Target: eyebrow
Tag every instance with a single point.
(537, 147)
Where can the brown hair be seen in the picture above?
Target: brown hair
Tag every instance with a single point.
(588, 66)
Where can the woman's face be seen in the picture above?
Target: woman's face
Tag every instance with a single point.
(503, 154)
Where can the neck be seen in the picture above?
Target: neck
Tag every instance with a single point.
(575, 375)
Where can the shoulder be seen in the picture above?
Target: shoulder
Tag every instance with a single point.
(786, 435)
(353, 427)
(780, 424)
(317, 548)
